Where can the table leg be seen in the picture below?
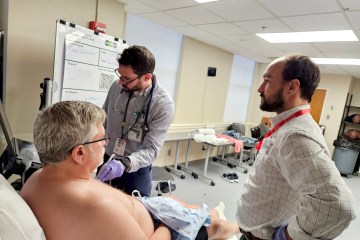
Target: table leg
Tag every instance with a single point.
(174, 169)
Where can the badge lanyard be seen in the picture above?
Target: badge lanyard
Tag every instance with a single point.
(292, 116)
(146, 127)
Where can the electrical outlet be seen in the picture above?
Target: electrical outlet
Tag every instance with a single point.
(169, 152)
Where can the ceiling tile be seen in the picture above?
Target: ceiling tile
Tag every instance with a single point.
(331, 69)
(319, 22)
(168, 4)
(354, 19)
(351, 4)
(234, 10)
(191, 31)
(256, 44)
(244, 52)
(300, 7)
(263, 26)
(343, 54)
(163, 19)
(352, 70)
(212, 40)
(338, 46)
(252, 55)
(222, 29)
(195, 15)
(136, 7)
(302, 48)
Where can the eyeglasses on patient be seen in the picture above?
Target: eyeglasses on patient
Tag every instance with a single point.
(124, 79)
(106, 138)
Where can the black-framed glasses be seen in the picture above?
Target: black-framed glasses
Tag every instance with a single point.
(126, 80)
(106, 139)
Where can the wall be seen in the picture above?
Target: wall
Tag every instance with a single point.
(337, 88)
(201, 99)
(355, 90)
(30, 48)
(255, 114)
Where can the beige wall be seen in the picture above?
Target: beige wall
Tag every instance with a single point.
(355, 90)
(201, 99)
(30, 48)
(337, 88)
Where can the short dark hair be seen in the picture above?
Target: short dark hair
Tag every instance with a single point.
(139, 58)
(306, 71)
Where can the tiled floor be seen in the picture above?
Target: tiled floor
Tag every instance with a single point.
(198, 191)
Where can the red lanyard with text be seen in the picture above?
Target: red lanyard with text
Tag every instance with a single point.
(292, 116)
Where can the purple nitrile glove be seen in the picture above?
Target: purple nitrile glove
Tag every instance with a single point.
(279, 233)
(110, 170)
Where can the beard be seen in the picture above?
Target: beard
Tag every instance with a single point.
(135, 88)
(272, 103)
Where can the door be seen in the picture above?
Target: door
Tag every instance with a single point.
(316, 104)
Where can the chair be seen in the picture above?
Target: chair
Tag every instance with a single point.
(159, 175)
(248, 149)
(17, 221)
(264, 129)
(255, 132)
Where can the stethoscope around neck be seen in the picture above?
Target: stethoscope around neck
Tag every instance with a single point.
(146, 126)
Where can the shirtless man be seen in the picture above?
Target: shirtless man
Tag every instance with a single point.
(68, 202)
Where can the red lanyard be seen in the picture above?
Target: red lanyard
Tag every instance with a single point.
(292, 116)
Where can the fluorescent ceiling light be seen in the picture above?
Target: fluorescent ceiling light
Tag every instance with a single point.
(336, 61)
(205, 1)
(317, 36)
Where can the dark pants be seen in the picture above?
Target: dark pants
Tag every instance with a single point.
(128, 182)
(248, 236)
(140, 180)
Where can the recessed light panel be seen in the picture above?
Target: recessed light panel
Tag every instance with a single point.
(316, 36)
(205, 1)
(337, 61)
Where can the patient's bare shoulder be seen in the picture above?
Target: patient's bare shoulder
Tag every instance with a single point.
(105, 218)
(80, 209)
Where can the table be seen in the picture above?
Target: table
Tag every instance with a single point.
(177, 137)
(232, 164)
(212, 183)
(176, 169)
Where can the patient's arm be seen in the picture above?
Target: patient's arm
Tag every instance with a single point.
(162, 232)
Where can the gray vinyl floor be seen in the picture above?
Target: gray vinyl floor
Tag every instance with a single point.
(199, 191)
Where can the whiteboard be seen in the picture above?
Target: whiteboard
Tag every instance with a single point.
(84, 64)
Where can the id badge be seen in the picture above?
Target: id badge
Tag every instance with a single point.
(119, 147)
(135, 135)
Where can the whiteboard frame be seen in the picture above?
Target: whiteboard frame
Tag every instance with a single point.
(63, 28)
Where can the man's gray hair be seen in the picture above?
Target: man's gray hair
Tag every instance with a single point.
(64, 125)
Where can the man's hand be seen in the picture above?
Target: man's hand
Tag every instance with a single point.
(110, 170)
